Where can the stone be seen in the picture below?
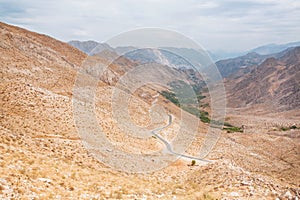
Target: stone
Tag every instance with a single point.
(234, 194)
(288, 195)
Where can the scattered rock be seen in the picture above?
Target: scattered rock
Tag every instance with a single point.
(45, 180)
(287, 195)
(245, 183)
(234, 194)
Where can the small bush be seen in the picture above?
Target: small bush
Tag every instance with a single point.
(284, 128)
(293, 127)
(204, 119)
(200, 97)
(193, 162)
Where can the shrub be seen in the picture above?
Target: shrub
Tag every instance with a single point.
(193, 162)
(284, 128)
(293, 127)
(204, 119)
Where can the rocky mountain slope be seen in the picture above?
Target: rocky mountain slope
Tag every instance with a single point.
(43, 157)
(244, 64)
(232, 65)
(275, 82)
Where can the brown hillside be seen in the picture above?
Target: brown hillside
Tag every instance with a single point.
(43, 157)
(275, 83)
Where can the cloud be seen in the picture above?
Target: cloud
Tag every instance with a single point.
(10, 9)
(216, 24)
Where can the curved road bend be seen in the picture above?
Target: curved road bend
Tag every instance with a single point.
(168, 145)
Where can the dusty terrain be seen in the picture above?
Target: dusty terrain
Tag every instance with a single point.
(42, 156)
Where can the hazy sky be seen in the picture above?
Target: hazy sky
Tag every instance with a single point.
(215, 24)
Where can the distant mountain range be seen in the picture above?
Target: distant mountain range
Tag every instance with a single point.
(217, 55)
(232, 65)
(262, 50)
(274, 48)
(90, 47)
(275, 82)
(93, 47)
(173, 57)
(144, 55)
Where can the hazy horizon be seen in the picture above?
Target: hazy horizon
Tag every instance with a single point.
(214, 50)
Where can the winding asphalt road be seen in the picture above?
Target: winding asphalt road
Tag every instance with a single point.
(168, 145)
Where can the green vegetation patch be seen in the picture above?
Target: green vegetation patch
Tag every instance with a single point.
(171, 97)
(233, 129)
(189, 98)
(284, 128)
(202, 115)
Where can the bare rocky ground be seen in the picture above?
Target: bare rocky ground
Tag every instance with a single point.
(42, 156)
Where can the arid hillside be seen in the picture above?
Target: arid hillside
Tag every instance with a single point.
(42, 154)
(275, 83)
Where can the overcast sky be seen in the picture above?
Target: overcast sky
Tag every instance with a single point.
(214, 24)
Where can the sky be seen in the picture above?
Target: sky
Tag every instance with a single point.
(230, 25)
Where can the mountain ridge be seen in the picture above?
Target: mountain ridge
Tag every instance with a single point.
(275, 81)
(274, 48)
(230, 66)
